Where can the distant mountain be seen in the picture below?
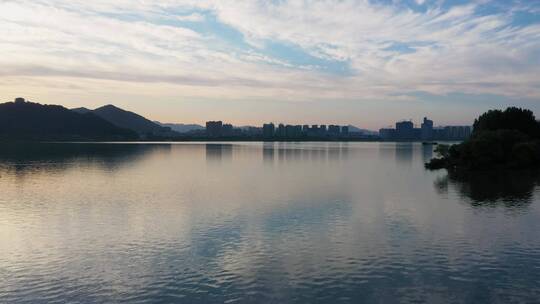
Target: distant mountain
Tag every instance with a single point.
(81, 110)
(181, 128)
(363, 131)
(23, 120)
(128, 120)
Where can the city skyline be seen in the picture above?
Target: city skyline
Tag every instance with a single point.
(355, 62)
(261, 125)
(405, 130)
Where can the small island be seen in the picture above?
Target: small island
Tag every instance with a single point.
(508, 139)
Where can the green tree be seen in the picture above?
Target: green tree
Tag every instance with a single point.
(512, 118)
(508, 139)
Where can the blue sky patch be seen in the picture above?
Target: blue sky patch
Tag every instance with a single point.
(300, 58)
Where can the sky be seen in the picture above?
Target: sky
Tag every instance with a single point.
(363, 62)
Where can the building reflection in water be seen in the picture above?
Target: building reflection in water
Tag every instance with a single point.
(268, 153)
(281, 151)
(427, 152)
(334, 152)
(318, 154)
(344, 150)
(218, 152)
(286, 152)
(404, 153)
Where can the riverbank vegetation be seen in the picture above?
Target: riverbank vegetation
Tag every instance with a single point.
(508, 139)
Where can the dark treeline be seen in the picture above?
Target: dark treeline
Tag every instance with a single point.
(508, 139)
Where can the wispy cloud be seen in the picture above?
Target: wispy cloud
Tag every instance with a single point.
(351, 49)
(194, 17)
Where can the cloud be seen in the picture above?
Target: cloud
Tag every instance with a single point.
(351, 49)
(195, 17)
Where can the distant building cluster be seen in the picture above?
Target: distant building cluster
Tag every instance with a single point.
(216, 129)
(403, 131)
(406, 131)
(281, 131)
(270, 131)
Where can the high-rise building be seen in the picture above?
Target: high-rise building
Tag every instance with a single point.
(387, 133)
(457, 132)
(322, 130)
(404, 130)
(293, 131)
(280, 131)
(214, 128)
(334, 130)
(427, 129)
(269, 130)
(297, 131)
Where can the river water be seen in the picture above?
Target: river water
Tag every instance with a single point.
(261, 223)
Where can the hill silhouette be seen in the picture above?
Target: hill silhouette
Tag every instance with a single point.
(82, 110)
(181, 128)
(23, 120)
(128, 120)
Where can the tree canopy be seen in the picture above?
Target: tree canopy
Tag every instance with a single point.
(508, 139)
(512, 118)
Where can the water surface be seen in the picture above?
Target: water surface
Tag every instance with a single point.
(261, 223)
